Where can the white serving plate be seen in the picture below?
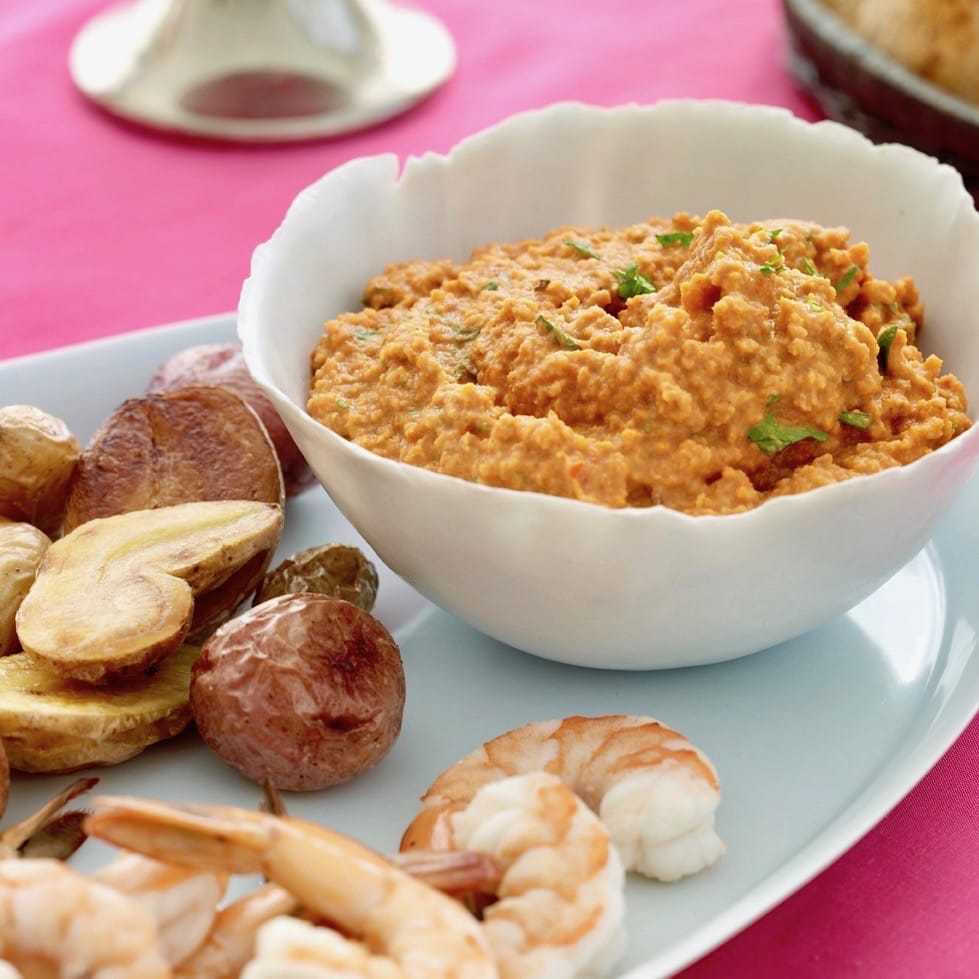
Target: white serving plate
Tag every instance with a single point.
(815, 740)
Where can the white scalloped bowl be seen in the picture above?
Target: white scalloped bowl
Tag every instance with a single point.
(576, 582)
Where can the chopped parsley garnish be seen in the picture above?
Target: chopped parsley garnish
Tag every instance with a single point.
(558, 335)
(884, 340)
(464, 336)
(675, 238)
(771, 436)
(580, 247)
(858, 419)
(632, 282)
(808, 267)
(769, 269)
(363, 334)
(847, 278)
(491, 287)
(481, 426)
(774, 233)
(814, 304)
(343, 403)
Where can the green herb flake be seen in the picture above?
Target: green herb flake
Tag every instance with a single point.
(769, 269)
(491, 286)
(343, 404)
(632, 282)
(363, 334)
(815, 305)
(774, 233)
(847, 278)
(884, 340)
(771, 436)
(580, 247)
(675, 238)
(464, 336)
(482, 426)
(808, 267)
(858, 419)
(558, 335)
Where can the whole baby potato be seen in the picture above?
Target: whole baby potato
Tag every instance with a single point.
(305, 690)
(329, 569)
(223, 365)
(38, 455)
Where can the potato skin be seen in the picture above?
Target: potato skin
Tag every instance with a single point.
(223, 365)
(328, 569)
(306, 690)
(38, 455)
(198, 443)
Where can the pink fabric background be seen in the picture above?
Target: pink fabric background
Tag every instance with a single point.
(105, 229)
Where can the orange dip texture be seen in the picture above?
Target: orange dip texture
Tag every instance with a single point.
(693, 363)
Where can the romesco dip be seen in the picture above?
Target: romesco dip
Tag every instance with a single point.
(695, 363)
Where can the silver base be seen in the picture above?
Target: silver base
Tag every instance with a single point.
(260, 70)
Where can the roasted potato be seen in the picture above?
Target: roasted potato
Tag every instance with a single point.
(201, 443)
(22, 546)
(38, 455)
(304, 690)
(52, 724)
(330, 569)
(223, 364)
(119, 594)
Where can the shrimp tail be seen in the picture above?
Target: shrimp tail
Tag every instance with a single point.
(197, 837)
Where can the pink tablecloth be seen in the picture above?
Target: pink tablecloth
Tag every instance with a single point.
(106, 229)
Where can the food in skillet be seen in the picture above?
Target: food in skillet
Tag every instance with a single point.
(701, 365)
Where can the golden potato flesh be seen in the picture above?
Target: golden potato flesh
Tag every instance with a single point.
(198, 443)
(116, 595)
(22, 546)
(38, 455)
(52, 724)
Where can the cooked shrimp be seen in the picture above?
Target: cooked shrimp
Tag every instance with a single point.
(230, 944)
(423, 933)
(55, 922)
(289, 947)
(561, 903)
(182, 903)
(651, 787)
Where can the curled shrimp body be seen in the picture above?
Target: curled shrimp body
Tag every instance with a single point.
(561, 904)
(231, 942)
(289, 947)
(653, 789)
(422, 933)
(182, 903)
(55, 922)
